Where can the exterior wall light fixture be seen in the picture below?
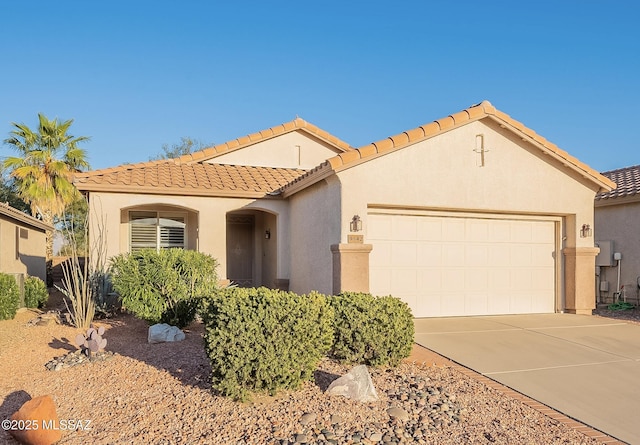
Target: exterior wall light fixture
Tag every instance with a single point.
(356, 224)
(586, 231)
(267, 234)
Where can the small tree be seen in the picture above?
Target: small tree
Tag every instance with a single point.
(185, 147)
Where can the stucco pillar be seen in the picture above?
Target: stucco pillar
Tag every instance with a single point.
(580, 266)
(351, 267)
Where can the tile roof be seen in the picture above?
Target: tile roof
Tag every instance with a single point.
(244, 141)
(7, 210)
(198, 179)
(175, 177)
(474, 113)
(628, 181)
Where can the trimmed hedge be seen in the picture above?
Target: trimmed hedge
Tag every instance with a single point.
(36, 294)
(9, 296)
(371, 330)
(264, 339)
(164, 286)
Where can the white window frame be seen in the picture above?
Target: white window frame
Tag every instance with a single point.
(158, 226)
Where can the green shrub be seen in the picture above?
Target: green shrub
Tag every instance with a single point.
(164, 286)
(9, 296)
(35, 292)
(371, 330)
(263, 339)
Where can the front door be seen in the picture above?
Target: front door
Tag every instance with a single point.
(240, 249)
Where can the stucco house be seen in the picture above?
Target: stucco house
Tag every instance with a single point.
(22, 243)
(470, 214)
(617, 222)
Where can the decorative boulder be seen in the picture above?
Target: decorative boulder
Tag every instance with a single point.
(40, 420)
(356, 385)
(162, 332)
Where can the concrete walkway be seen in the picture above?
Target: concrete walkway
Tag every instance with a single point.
(585, 367)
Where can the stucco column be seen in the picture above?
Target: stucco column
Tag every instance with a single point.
(351, 267)
(580, 266)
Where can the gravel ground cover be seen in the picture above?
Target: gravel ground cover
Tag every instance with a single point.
(160, 394)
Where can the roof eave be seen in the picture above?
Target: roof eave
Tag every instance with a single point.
(18, 216)
(604, 183)
(175, 191)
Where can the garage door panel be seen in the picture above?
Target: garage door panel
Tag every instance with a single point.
(476, 303)
(499, 232)
(429, 229)
(542, 232)
(404, 281)
(380, 280)
(453, 255)
(499, 302)
(429, 254)
(447, 266)
(404, 254)
(404, 229)
(381, 229)
(499, 255)
(477, 231)
(453, 230)
(521, 233)
(452, 304)
(381, 254)
(453, 279)
(520, 255)
(476, 279)
(476, 255)
(430, 281)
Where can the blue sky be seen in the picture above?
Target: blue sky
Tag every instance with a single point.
(137, 74)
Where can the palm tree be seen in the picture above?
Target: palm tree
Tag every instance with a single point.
(43, 172)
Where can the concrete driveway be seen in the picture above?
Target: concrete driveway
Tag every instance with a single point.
(585, 367)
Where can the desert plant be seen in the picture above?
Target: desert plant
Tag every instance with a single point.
(83, 278)
(92, 341)
(163, 286)
(9, 296)
(371, 330)
(263, 339)
(36, 294)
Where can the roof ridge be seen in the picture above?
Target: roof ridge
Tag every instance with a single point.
(473, 113)
(235, 144)
(621, 169)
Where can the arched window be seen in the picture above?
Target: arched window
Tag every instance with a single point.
(157, 230)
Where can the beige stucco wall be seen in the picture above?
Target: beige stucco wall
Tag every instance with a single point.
(31, 250)
(620, 223)
(206, 230)
(315, 219)
(296, 149)
(444, 173)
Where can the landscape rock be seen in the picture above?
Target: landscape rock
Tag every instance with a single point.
(36, 414)
(398, 413)
(162, 332)
(356, 385)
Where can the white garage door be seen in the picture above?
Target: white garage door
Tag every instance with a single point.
(447, 266)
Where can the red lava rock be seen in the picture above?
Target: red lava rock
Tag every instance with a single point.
(36, 422)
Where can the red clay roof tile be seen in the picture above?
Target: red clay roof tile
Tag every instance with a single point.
(189, 179)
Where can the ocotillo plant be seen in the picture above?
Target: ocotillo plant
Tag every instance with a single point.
(92, 341)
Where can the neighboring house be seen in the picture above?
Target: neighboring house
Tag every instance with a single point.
(617, 230)
(22, 243)
(471, 214)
